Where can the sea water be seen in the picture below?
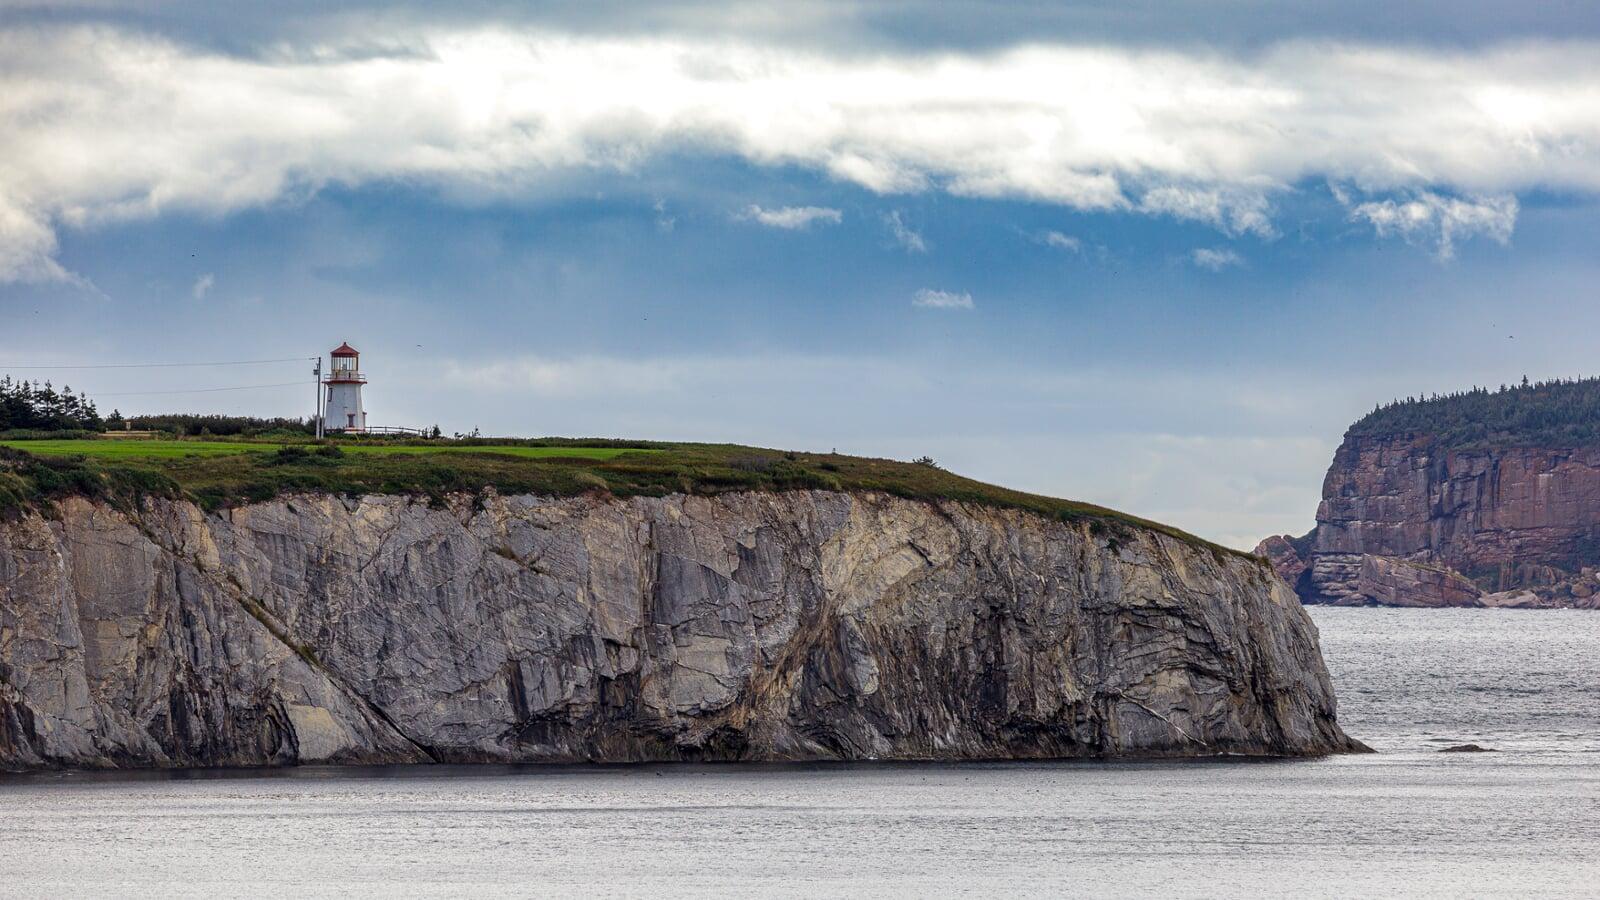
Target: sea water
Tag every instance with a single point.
(1523, 821)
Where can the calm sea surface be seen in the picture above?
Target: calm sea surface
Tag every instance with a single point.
(1409, 821)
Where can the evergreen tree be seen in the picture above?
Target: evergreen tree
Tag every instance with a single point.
(1555, 413)
(27, 405)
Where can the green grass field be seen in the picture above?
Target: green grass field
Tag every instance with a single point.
(216, 473)
(158, 449)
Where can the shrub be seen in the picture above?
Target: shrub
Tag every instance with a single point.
(230, 426)
(752, 463)
(34, 434)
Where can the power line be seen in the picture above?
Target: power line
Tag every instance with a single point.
(240, 362)
(243, 387)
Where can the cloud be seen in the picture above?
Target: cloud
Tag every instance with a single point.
(1061, 241)
(794, 218)
(909, 240)
(27, 245)
(927, 298)
(1440, 221)
(202, 286)
(664, 223)
(862, 23)
(1234, 210)
(1215, 258)
(101, 123)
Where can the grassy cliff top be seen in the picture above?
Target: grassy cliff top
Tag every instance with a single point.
(1547, 414)
(220, 473)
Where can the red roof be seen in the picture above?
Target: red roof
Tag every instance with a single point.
(345, 350)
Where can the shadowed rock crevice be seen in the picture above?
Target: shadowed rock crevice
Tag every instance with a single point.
(762, 626)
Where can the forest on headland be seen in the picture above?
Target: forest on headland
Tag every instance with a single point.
(34, 406)
(1556, 413)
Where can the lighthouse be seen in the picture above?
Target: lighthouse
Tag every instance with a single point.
(341, 408)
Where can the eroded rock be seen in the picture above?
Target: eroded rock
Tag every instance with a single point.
(803, 625)
(1406, 522)
(1285, 557)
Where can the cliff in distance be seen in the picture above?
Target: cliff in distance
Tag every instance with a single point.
(1480, 499)
(802, 624)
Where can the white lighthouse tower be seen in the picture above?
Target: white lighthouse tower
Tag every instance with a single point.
(342, 409)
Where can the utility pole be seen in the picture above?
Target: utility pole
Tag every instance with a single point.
(316, 411)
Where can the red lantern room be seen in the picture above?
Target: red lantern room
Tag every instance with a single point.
(346, 364)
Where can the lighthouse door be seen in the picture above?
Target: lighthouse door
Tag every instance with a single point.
(352, 418)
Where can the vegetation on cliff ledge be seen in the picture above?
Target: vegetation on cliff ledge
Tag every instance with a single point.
(1561, 413)
(218, 474)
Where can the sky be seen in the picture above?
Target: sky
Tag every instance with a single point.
(1152, 255)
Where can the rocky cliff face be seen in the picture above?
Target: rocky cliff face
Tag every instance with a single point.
(749, 626)
(1403, 522)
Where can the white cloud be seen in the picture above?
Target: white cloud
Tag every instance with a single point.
(202, 286)
(1232, 210)
(908, 239)
(794, 218)
(932, 299)
(664, 223)
(1215, 258)
(27, 245)
(1061, 241)
(99, 124)
(1440, 221)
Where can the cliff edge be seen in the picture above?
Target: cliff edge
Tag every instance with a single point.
(1478, 499)
(804, 624)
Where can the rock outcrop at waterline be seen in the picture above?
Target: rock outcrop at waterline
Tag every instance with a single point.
(752, 626)
(1407, 520)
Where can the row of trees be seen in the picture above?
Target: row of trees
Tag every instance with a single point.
(1556, 413)
(230, 426)
(39, 406)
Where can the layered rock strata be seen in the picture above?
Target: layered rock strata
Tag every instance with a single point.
(802, 625)
(1404, 522)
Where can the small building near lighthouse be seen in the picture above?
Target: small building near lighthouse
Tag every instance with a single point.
(341, 401)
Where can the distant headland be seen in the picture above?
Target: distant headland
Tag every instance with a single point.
(1480, 498)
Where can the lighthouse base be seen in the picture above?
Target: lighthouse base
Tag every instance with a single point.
(343, 410)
